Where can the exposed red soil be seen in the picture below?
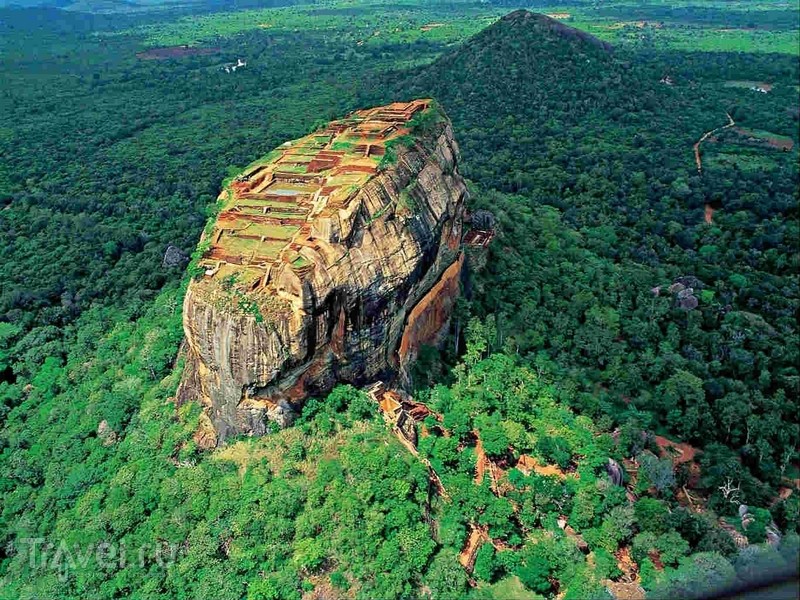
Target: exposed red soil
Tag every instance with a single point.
(356, 169)
(528, 464)
(321, 164)
(174, 52)
(709, 214)
(481, 462)
(477, 536)
(231, 217)
(486, 465)
(655, 557)
(627, 586)
(680, 453)
(626, 564)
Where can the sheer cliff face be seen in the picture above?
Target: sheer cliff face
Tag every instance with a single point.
(324, 258)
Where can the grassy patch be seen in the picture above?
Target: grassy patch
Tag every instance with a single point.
(510, 587)
(342, 146)
(745, 84)
(774, 139)
(742, 161)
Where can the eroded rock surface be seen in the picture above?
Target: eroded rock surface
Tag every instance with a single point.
(324, 256)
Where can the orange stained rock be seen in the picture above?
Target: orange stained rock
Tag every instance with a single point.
(427, 319)
(390, 403)
(483, 465)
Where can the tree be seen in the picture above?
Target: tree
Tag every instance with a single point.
(446, 577)
(651, 515)
(682, 391)
(655, 471)
(534, 572)
(494, 438)
(704, 572)
(555, 449)
(669, 547)
(498, 517)
(486, 566)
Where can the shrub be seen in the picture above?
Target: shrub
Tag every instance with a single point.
(670, 547)
(555, 450)
(534, 572)
(651, 515)
(338, 580)
(486, 566)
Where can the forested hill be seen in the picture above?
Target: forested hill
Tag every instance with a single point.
(529, 79)
(585, 156)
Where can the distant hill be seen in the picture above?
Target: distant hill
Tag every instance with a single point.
(526, 19)
(529, 73)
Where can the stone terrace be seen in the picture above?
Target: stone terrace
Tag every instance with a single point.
(269, 209)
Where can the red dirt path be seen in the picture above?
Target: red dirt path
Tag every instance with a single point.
(706, 135)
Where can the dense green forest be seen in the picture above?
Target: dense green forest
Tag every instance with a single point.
(626, 295)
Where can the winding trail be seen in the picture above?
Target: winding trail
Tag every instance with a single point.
(706, 135)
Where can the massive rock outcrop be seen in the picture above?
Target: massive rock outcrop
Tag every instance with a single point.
(331, 260)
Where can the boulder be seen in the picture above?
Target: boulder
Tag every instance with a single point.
(174, 257)
(367, 274)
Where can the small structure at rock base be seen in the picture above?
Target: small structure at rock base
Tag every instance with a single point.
(232, 67)
(391, 406)
(479, 239)
(483, 229)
